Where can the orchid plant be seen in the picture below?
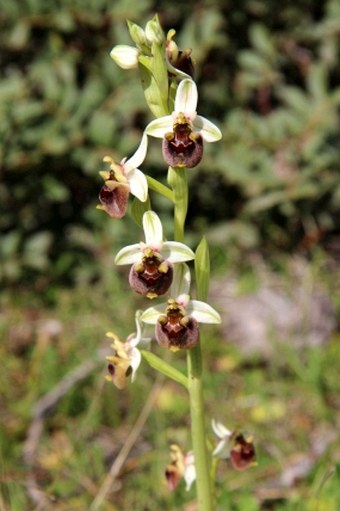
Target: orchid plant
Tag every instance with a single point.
(159, 267)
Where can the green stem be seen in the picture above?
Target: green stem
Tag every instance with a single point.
(198, 433)
(177, 179)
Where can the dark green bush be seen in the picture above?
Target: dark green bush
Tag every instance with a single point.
(267, 75)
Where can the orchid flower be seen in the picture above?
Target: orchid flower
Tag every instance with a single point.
(181, 466)
(122, 179)
(235, 446)
(183, 131)
(127, 357)
(152, 261)
(177, 320)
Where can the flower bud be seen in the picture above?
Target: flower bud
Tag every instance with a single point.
(154, 32)
(125, 56)
(137, 33)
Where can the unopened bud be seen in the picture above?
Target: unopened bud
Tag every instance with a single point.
(154, 32)
(125, 56)
(137, 33)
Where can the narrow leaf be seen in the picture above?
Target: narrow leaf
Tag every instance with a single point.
(202, 269)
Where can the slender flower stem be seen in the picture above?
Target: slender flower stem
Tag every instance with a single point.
(178, 181)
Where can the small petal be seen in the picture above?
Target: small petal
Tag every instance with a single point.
(129, 255)
(186, 98)
(139, 156)
(176, 252)
(159, 127)
(209, 131)
(138, 184)
(203, 312)
(181, 280)
(152, 314)
(125, 56)
(153, 229)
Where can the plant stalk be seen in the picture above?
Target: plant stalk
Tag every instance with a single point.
(178, 181)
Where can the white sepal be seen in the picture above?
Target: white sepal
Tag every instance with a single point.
(139, 156)
(176, 252)
(152, 314)
(135, 360)
(203, 312)
(159, 127)
(138, 184)
(219, 429)
(153, 230)
(129, 255)
(209, 131)
(186, 98)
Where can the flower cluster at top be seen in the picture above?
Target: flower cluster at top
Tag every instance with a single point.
(177, 123)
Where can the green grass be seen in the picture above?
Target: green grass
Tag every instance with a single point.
(289, 404)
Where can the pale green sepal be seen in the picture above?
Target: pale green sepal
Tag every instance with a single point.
(129, 255)
(138, 209)
(158, 187)
(176, 252)
(125, 56)
(209, 131)
(153, 229)
(159, 127)
(138, 184)
(202, 269)
(151, 315)
(181, 280)
(164, 368)
(202, 312)
(186, 98)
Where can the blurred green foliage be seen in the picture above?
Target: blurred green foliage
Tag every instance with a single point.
(267, 75)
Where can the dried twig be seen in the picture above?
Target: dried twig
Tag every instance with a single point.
(127, 446)
(41, 409)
